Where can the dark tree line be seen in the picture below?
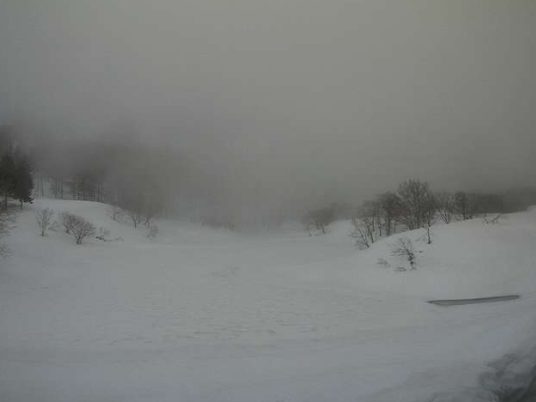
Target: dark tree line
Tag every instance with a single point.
(16, 175)
(136, 178)
(16, 181)
(414, 205)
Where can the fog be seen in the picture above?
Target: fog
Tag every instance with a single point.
(284, 102)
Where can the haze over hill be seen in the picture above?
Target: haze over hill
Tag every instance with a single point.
(270, 104)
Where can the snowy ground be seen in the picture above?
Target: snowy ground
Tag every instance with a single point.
(204, 315)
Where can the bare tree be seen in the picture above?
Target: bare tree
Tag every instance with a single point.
(491, 220)
(148, 218)
(44, 219)
(363, 232)
(81, 229)
(371, 212)
(464, 205)
(445, 206)
(391, 206)
(136, 216)
(321, 218)
(414, 196)
(67, 221)
(140, 207)
(115, 212)
(429, 214)
(151, 211)
(404, 248)
(360, 235)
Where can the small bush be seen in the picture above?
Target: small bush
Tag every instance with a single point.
(115, 212)
(404, 248)
(67, 221)
(81, 229)
(44, 219)
(321, 218)
(364, 232)
(104, 234)
(491, 220)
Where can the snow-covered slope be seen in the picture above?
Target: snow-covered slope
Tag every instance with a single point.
(204, 315)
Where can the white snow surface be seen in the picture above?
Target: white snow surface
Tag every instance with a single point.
(210, 315)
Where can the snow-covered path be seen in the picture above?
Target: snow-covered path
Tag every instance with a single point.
(202, 315)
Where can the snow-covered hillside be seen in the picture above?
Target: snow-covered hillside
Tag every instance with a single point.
(209, 315)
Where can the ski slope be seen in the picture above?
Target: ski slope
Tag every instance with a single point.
(210, 315)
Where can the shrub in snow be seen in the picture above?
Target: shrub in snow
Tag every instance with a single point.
(135, 216)
(115, 212)
(44, 219)
(404, 248)
(445, 206)
(321, 218)
(67, 220)
(103, 234)
(491, 220)
(81, 229)
(363, 232)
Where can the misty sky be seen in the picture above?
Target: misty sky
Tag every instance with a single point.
(289, 99)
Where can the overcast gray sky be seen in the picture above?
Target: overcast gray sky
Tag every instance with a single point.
(293, 98)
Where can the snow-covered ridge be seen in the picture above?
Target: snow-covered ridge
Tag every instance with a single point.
(204, 315)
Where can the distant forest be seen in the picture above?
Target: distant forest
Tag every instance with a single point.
(141, 179)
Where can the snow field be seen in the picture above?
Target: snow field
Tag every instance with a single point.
(205, 315)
